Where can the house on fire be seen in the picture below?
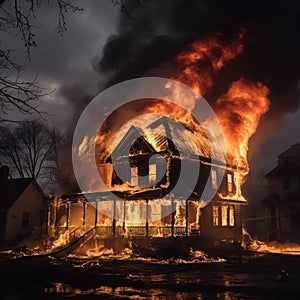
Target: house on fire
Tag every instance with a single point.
(155, 161)
(21, 207)
(282, 205)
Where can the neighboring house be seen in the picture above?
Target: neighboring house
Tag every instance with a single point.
(21, 206)
(220, 220)
(282, 205)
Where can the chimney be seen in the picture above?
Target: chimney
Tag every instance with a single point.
(4, 171)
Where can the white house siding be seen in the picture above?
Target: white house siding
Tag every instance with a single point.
(31, 200)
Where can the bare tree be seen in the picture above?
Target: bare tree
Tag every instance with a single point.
(31, 149)
(127, 6)
(18, 17)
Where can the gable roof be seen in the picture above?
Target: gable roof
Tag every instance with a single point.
(133, 134)
(166, 130)
(12, 190)
(292, 152)
(160, 135)
(288, 167)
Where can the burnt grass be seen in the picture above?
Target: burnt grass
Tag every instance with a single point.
(246, 276)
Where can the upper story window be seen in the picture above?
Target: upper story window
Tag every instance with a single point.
(286, 184)
(229, 183)
(152, 174)
(214, 179)
(134, 176)
(25, 219)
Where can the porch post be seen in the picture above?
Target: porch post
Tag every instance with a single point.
(173, 216)
(48, 213)
(114, 219)
(124, 214)
(147, 217)
(186, 217)
(68, 215)
(83, 213)
(96, 213)
(56, 213)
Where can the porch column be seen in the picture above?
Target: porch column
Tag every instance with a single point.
(83, 213)
(124, 214)
(173, 216)
(187, 217)
(114, 219)
(48, 213)
(56, 213)
(96, 213)
(147, 217)
(68, 215)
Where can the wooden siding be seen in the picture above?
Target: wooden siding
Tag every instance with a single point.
(209, 231)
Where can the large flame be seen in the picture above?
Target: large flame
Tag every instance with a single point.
(239, 112)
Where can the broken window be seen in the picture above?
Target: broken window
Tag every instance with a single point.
(214, 179)
(25, 219)
(152, 174)
(224, 215)
(216, 215)
(229, 183)
(134, 176)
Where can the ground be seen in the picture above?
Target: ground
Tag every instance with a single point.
(249, 276)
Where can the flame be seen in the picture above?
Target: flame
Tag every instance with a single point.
(239, 112)
(203, 59)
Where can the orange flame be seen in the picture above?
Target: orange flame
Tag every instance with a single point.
(202, 60)
(239, 112)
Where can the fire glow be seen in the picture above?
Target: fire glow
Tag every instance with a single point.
(238, 110)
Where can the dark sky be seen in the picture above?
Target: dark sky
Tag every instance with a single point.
(103, 46)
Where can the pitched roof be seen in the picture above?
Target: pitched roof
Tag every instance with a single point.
(288, 167)
(12, 190)
(160, 135)
(292, 152)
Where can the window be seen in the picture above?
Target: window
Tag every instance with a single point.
(224, 215)
(229, 183)
(214, 179)
(152, 174)
(25, 219)
(216, 215)
(231, 215)
(134, 176)
(286, 184)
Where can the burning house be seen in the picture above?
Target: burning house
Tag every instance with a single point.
(140, 210)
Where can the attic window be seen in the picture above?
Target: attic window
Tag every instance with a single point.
(134, 176)
(229, 183)
(214, 179)
(25, 219)
(152, 174)
(286, 184)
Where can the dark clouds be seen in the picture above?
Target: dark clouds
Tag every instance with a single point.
(161, 29)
